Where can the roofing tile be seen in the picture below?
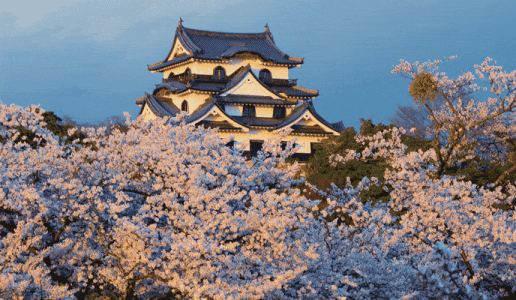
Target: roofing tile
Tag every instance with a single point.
(215, 45)
(163, 64)
(173, 86)
(224, 125)
(160, 108)
(295, 91)
(267, 122)
(245, 99)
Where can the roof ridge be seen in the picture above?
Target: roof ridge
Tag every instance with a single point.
(222, 33)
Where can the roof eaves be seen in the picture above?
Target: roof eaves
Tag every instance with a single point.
(243, 72)
(157, 108)
(294, 115)
(237, 76)
(164, 64)
(311, 108)
(186, 41)
(173, 86)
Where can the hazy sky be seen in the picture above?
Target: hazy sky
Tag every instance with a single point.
(88, 59)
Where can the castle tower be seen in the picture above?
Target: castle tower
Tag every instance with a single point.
(239, 83)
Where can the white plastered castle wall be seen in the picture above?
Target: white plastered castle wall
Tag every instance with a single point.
(303, 142)
(192, 97)
(264, 112)
(147, 114)
(261, 111)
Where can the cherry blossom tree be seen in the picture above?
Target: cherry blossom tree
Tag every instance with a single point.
(163, 209)
(464, 127)
(450, 238)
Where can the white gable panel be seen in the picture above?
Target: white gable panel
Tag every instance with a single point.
(215, 114)
(177, 51)
(249, 85)
(308, 119)
(147, 113)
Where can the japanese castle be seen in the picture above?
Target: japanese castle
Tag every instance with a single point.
(239, 83)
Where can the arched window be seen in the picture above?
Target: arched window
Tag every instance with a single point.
(184, 106)
(171, 75)
(188, 72)
(219, 73)
(265, 75)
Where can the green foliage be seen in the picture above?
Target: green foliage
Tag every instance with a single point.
(319, 172)
(53, 125)
(423, 88)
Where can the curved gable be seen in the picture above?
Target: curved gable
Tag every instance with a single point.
(305, 118)
(178, 49)
(213, 113)
(250, 85)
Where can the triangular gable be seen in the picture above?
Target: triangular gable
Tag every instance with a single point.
(216, 114)
(177, 50)
(307, 118)
(251, 86)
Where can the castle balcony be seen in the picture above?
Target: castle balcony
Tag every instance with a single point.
(198, 77)
(184, 78)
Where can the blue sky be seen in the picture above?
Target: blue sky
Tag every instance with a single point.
(88, 59)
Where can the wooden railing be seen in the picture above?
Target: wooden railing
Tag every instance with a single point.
(199, 77)
(210, 78)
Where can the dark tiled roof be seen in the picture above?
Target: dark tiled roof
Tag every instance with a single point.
(173, 86)
(300, 110)
(163, 64)
(309, 129)
(267, 122)
(205, 108)
(311, 108)
(160, 108)
(164, 108)
(178, 87)
(208, 86)
(222, 45)
(215, 45)
(224, 125)
(140, 101)
(339, 126)
(244, 99)
(294, 114)
(237, 76)
(234, 49)
(199, 112)
(296, 91)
